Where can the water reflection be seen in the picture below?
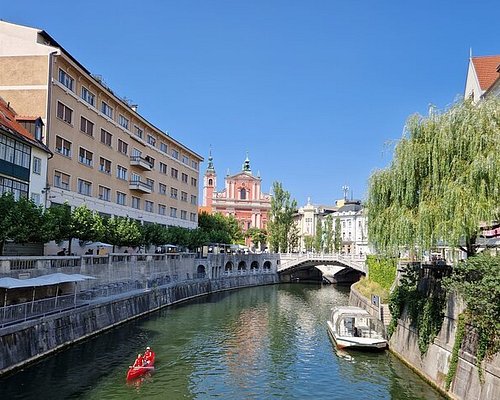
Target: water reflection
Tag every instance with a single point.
(259, 343)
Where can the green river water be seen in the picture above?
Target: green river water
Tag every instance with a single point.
(266, 342)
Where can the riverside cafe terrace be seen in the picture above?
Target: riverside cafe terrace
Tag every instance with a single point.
(31, 298)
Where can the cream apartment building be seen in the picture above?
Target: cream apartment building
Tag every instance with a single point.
(106, 155)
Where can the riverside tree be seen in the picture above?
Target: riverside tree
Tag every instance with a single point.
(281, 218)
(443, 180)
(329, 233)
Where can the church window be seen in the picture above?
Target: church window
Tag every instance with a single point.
(210, 182)
(243, 194)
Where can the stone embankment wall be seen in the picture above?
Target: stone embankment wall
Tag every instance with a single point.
(434, 365)
(28, 341)
(380, 311)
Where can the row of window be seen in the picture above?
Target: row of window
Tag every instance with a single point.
(62, 180)
(17, 188)
(65, 113)
(14, 151)
(64, 147)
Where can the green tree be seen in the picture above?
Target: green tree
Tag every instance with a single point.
(329, 233)
(21, 221)
(258, 236)
(87, 225)
(219, 228)
(443, 180)
(154, 234)
(337, 241)
(58, 222)
(281, 218)
(309, 242)
(318, 237)
(293, 238)
(122, 232)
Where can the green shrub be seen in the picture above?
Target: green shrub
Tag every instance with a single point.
(382, 270)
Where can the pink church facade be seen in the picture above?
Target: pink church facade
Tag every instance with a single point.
(241, 197)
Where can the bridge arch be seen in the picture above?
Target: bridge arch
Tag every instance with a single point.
(201, 271)
(242, 266)
(267, 265)
(228, 267)
(254, 265)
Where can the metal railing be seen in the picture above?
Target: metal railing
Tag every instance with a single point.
(289, 260)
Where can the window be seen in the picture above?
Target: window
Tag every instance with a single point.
(121, 172)
(194, 182)
(194, 199)
(85, 157)
(173, 193)
(151, 140)
(17, 188)
(136, 154)
(161, 209)
(163, 168)
(123, 121)
(36, 198)
(106, 137)
(150, 160)
(88, 96)
(37, 165)
(122, 147)
(121, 198)
(66, 80)
(184, 178)
(63, 146)
(184, 196)
(162, 189)
(86, 126)
(192, 217)
(14, 152)
(185, 159)
(105, 166)
(104, 193)
(174, 173)
(194, 165)
(243, 194)
(173, 212)
(183, 214)
(106, 109)
(148, 206)
(175, 154)
(136, 202)
(138, 131)
(135, 177)
(151, 184)
(61, 180)
(64, 112)
(84, 187)
(164, 147)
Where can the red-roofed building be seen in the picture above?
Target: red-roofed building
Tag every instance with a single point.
(23, 158)
(483, 77)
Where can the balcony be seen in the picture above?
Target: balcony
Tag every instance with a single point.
(140, 186)
(143, 163)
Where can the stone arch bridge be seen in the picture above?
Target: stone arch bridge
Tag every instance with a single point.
(316, 266)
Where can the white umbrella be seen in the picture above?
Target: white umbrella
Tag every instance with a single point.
(97, 245)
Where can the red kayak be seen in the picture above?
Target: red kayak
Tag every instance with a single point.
(137, 371)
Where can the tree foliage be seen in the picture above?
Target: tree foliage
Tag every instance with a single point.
(258, 236)
(219, 228)
(281, 218)
(329, 233)
(337, 241)
(443, 180)
(318, 238)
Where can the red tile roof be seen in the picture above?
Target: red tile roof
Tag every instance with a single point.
(487, 70)
(8, 120)
(9, 123)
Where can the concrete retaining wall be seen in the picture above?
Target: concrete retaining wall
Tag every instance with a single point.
(382, 312)
(434, 365)
(28, 341)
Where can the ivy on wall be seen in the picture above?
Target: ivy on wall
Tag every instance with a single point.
(382, 270)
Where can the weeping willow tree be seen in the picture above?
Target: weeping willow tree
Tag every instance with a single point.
(443, 182)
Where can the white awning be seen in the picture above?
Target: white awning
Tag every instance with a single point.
(44, 280)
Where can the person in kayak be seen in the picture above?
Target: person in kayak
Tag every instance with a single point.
(139, 361)
(148, 355)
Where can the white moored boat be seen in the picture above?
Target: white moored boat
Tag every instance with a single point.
(353, 327)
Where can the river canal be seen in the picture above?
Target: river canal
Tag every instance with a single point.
(267, 342)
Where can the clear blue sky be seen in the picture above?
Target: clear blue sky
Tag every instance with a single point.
(313, 90)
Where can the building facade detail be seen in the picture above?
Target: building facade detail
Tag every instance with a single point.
(106, 155)
(241, 197)
(352, 219)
